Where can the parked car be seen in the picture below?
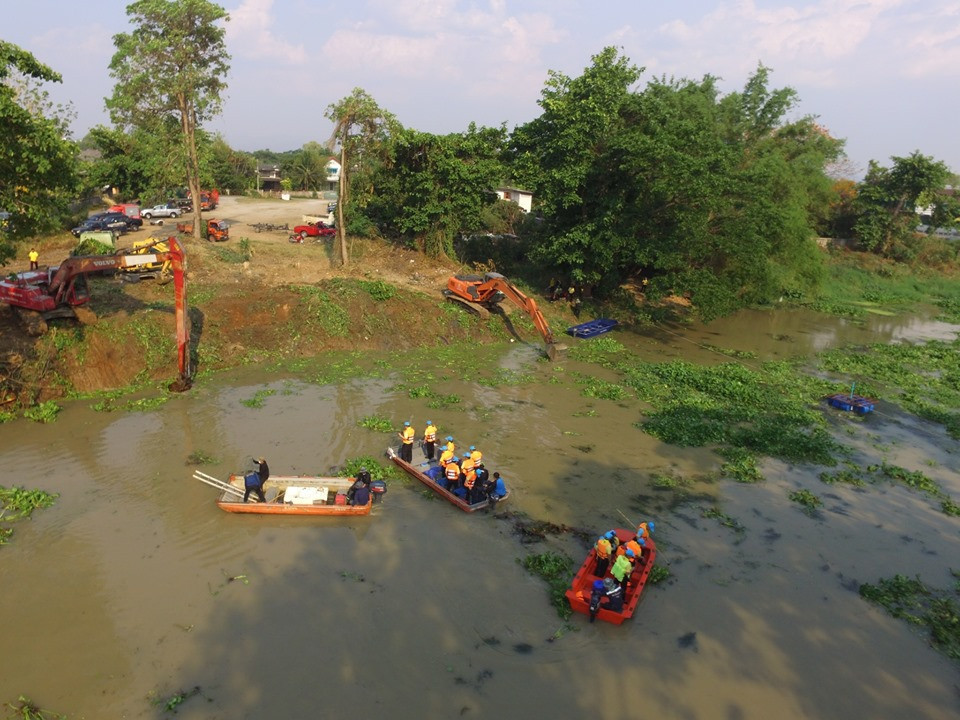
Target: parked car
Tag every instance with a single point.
(317, 229)
(161, 211)
(118, 222)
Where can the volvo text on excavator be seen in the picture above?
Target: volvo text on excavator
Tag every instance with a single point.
(39, 295)
(483, 294)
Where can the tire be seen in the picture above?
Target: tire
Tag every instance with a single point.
(147, 215)
(174, 215)
(304, 234)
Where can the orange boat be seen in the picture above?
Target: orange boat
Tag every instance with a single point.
(289, 495)
(578, 594)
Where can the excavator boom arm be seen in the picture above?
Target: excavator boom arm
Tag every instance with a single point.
(500, 284)
(71, 268)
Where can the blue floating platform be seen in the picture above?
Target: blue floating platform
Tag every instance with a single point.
(592, 328)
(848, 402)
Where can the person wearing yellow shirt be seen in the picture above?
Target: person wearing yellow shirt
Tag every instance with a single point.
(406, 442)
(429, 440)
(34, 258)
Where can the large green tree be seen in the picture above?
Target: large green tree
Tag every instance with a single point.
(887, 199)
(38, 165)
(361, 129)
(702, 195)
(172, 66)
(432, 187)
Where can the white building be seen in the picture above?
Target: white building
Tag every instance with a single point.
(523, 198)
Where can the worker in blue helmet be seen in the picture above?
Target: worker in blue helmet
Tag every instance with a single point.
(406, 442)
(596, 596)
(429, 440)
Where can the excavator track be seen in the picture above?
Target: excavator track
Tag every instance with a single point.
(473, 307)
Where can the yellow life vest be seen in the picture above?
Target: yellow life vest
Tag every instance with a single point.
(445, 457)
(408, 433)
(430, 434)
(452, 472)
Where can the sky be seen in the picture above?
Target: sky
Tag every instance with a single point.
(884, 75)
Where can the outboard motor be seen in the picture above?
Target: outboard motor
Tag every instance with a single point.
(378, 488)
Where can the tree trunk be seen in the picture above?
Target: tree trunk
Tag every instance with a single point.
(341, 200)
(188, 124)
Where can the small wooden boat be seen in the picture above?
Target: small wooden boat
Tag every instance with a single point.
(848, 402)
(288, 495)
(592, 328)
(415, 472)
(578, 594)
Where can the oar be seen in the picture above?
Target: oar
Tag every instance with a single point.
(631, 522)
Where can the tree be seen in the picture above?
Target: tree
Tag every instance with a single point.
(38, 164)
(708, 196)
(433, 187)
(173, 66)
(229, 168)
(888, 197)
(361, 128)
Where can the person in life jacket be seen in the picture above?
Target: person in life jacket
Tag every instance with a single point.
(622, 568)
(631, 545)
(611, 535)
(645, 530)
(596, 596)
(445, 457)
(429, 440)
(603, 550)
(475, 455)
(613, 596)
(406, 442)
(451, 472)
(469, 471)
(450, 446)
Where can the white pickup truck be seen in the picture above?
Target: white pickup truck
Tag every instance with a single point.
(161, 211)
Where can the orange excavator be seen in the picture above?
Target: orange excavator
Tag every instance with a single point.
(484, 294)
(61, 291)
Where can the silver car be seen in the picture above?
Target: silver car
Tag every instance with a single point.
(161, 211)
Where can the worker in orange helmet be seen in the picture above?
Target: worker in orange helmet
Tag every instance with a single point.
(406, 442)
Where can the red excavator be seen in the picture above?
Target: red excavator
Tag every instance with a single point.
(39, 295)
(483, 294)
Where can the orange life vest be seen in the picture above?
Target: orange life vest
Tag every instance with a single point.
(452, 471)
(603, 548)
(445, 457)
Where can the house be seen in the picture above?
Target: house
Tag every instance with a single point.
(333, 174)
(268, 178)
(523, 198)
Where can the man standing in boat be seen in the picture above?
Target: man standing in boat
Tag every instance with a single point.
(255, 481)
(406, 442)
(429, 440)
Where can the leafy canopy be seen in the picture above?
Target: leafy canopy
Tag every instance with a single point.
(38, 164)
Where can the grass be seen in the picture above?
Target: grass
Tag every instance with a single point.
(18, 503)
(556, 569)
(807, 500)
(45, 412)
(201, 457)
(25, 709)
(259, 398)
(911, 600)
(377, 423)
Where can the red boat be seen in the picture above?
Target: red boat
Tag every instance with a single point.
(578, 594)
(441, 491)
(288, 495)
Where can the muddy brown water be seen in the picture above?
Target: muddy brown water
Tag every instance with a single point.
(134, 586)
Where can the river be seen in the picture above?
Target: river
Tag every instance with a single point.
(134, 586)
